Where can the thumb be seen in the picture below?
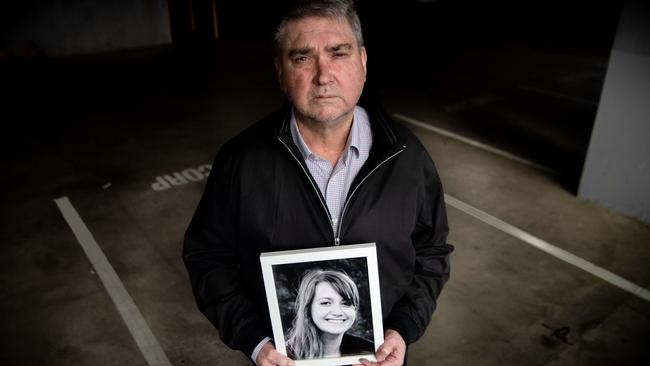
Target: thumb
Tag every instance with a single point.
(382, 352)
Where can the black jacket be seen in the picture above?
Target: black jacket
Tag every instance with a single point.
(260, 197)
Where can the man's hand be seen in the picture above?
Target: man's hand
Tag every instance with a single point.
(268, 356)
(391, 352)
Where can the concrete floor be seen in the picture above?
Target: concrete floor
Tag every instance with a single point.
(100, 129)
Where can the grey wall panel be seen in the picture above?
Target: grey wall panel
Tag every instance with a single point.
(71, 27)
(617, 169)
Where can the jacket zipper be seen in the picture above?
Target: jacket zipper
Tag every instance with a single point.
(337, 234)
(337, 239)
(323, 204)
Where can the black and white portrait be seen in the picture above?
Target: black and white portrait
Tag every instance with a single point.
(324, 307)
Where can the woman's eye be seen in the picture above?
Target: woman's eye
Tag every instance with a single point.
(346, 303)
(325, 303)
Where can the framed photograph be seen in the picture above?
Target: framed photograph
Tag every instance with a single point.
(324, 303)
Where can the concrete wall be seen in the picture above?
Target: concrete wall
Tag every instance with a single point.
(71, 27)
(617, 169)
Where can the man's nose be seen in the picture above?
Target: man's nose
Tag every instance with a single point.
(323, 71)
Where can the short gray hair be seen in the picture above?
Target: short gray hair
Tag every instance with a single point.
(332, 9)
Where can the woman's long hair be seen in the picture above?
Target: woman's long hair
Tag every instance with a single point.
(304, 341)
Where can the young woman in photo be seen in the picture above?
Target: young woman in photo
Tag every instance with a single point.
(326, 308)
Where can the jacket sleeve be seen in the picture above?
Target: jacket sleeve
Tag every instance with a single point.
(211, 257)
(412, 313)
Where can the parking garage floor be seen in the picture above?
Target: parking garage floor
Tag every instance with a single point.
(108, 131)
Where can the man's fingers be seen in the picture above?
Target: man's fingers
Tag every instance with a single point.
(269, 362)
(392, 352)
(383, 351)
(278, 359)
(271, 357)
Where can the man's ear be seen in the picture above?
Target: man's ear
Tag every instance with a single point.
(278, 69)
(364, 60)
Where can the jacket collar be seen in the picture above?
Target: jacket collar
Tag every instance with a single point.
(386, 142)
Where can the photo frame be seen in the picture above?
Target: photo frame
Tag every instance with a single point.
(324, 300)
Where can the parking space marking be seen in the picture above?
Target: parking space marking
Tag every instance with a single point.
(144, 338)
(548, 248)
(475, 143)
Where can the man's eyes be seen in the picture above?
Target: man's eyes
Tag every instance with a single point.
(300, 59)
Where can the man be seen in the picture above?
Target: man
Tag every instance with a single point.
(327, 169)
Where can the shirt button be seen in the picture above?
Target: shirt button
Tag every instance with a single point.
(335, 220)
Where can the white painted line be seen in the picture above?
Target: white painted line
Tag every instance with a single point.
(558, 95)
(175, 179)
(544, 246)
(476, 144)
(146, 341)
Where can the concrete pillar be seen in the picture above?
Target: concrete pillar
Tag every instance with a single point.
(616, 173)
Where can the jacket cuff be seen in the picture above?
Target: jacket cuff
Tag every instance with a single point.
(249, 336)
(404, 325)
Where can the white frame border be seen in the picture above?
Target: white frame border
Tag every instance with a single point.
(367, 250)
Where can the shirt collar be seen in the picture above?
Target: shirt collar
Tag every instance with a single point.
(352, 144)
(297, 137)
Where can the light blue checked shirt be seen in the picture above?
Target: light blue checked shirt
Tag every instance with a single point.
(334, 181)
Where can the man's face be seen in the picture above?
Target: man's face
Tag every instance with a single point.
(321, 69)
(330, 312)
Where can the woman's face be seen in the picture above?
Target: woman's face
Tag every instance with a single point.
(330, 312)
